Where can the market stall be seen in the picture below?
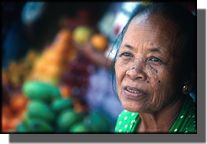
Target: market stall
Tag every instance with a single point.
(54, 85)
(57, 60)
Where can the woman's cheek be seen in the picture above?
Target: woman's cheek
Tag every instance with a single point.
(120, 68)
(118, 73)
(153, 76)
(155, 82)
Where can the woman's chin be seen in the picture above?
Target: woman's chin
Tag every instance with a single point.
(132, 107)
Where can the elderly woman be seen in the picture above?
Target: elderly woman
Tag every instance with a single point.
(155, 70)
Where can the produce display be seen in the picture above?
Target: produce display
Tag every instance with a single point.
(45, 91)
(17, 72)
(76, 76)
(39, 116)
(13, 112)
(51, 63)
(14, 102)
(54, 113)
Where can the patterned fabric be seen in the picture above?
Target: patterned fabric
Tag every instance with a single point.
(185, 122)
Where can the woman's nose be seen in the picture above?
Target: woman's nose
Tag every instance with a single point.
(136, 72)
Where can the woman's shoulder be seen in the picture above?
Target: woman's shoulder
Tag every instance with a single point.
(186, 119)
(126, 121)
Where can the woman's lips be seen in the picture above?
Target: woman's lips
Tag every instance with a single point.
(133, 93)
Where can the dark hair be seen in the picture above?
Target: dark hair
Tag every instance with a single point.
(186, 25)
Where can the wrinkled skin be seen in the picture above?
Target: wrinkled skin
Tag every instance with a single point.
(147, 64)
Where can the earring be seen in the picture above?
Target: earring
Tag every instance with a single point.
(186, 88)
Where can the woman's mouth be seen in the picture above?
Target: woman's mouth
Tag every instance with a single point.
(133, 93)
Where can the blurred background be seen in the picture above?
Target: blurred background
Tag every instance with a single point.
(56, 68)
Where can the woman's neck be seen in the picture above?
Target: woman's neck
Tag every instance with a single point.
(159, 121)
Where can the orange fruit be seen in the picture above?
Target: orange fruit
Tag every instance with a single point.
(79, 107)
(6, 111)
(65, 91)
(99, 42)
(14, 122)
(5, 124)
(18, 102)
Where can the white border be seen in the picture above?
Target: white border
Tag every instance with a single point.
(201, 4)
(4, 138)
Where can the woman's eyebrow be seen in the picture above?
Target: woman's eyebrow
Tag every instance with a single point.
(129, 46)
(154, 50)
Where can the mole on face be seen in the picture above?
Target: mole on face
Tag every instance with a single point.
(153, 75)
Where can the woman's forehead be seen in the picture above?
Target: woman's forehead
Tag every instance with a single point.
(154, 29)
(154, 22)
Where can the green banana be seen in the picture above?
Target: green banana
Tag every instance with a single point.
(38, 90)
(61, 104)
(38, 109)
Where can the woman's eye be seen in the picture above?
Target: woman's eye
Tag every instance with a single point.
(154, 59)
(126, 54)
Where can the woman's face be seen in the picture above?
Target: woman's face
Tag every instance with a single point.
(146, 64)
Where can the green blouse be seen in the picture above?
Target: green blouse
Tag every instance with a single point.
(185, 122)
